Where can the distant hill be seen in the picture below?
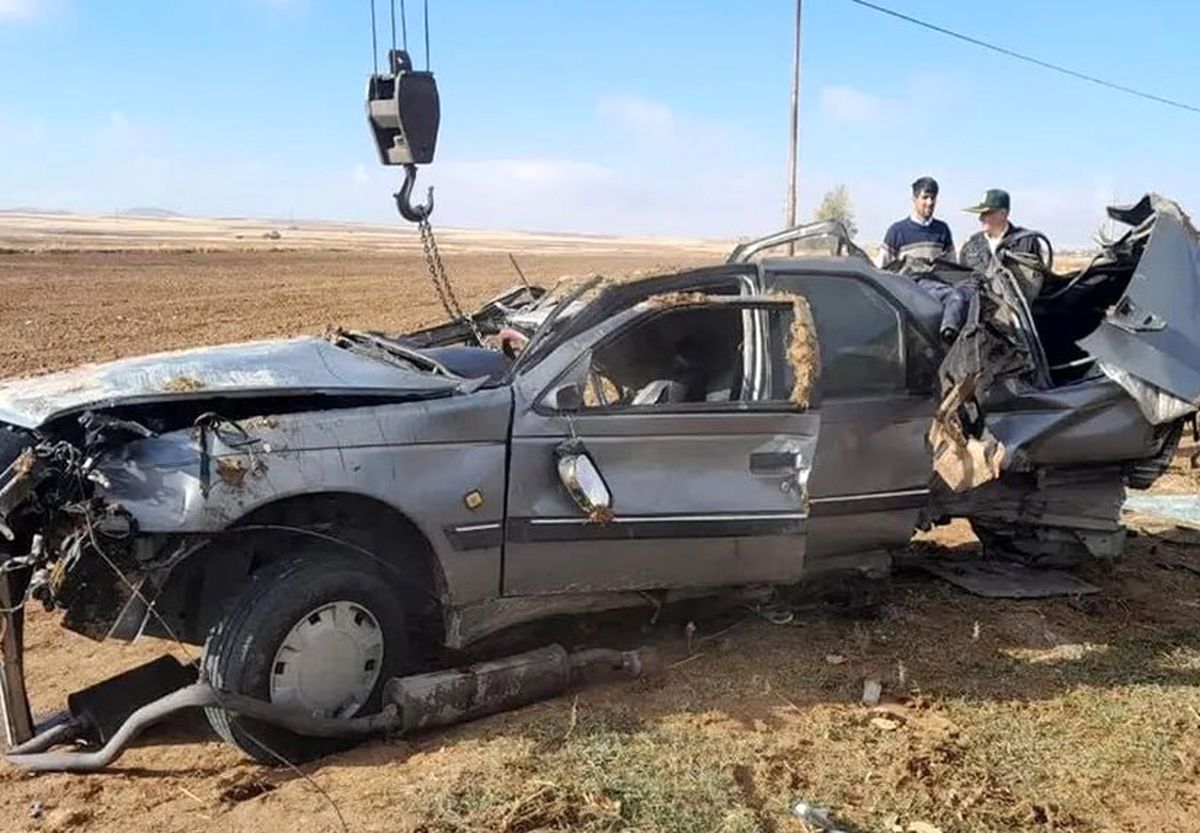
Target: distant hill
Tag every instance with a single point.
(149, 211)
(28, 209)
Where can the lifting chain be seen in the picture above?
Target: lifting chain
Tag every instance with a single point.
(441, 281)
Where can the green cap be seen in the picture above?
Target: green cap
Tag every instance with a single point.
(993, 199)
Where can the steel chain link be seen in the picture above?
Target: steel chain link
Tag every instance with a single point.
(441, 282)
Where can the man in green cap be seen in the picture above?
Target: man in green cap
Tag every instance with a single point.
(996, 230)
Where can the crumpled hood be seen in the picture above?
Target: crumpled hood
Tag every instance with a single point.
(277, 368)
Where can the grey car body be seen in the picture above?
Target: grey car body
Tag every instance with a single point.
(142, 495)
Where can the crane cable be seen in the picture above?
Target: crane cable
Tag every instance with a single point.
(403, 23)
(403, 31)
(374, 41)
(433, 257)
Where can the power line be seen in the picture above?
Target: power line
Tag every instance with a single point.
(1027, 58)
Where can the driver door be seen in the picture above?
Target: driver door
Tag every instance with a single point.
(693, 428)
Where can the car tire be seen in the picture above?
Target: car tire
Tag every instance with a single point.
(308, 603)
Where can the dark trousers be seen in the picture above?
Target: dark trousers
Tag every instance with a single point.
(955, 298)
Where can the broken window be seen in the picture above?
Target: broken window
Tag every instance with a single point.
(860, 333)
(689, 356)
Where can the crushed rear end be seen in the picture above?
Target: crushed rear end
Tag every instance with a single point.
(1054, 403)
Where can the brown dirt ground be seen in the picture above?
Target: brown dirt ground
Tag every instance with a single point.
(1063, 715)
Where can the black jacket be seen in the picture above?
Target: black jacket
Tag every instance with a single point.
(976, 254)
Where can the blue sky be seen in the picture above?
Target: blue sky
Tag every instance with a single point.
(665, 117)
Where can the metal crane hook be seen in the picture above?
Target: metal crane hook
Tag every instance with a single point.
(410, 212)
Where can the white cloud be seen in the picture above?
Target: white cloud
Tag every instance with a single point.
(663, 134)
(1071, 211)
(841, 102)
(124, 138)
(669, 186)
(619, 198)
(646, 119)
(649, 171)
(923, 95)
(23, 133)
(551, 194)
(24, 10)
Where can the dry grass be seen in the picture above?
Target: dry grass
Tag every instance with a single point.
(803, 351)
(1051, 715)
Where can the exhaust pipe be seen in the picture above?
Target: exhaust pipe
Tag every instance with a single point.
(421, 701)
(441, 698)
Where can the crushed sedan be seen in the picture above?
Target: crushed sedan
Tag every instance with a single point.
(325, 515)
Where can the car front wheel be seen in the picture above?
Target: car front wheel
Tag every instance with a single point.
(319, 635)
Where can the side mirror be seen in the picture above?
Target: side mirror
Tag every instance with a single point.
(568, 399)
(583, 483)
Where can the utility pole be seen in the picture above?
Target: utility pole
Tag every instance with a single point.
(793, 188)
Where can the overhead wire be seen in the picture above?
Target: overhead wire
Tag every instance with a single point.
(1082, 76)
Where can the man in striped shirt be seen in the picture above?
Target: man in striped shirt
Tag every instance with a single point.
(913, 244)
(920, 236)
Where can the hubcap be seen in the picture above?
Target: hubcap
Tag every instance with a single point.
(329, 661)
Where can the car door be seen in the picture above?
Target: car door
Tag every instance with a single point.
(707, 469)
(872, 470)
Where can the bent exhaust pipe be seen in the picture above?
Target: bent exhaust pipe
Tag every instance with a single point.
(416, 702)
(441, 698)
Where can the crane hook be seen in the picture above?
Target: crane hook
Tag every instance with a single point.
(410, 212)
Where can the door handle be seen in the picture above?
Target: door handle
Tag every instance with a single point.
(774, 462)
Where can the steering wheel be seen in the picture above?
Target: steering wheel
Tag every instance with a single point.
(1047, 261)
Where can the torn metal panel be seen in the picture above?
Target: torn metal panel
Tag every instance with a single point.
(1088, 422)
(1152, 333)
(991, 356)
(120, 509)
(998, 580)
(1140, 214)
(962, 462)
(1052, 517)
(420, 458)
(1158, 406)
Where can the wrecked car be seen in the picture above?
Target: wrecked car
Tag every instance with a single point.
(323, 514)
